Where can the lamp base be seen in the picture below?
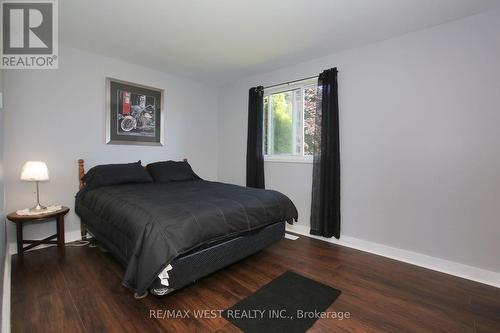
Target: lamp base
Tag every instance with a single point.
(38, 208)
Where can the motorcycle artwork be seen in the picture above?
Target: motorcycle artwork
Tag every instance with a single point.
(136, 115)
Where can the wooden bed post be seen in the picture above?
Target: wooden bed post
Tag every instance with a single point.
(81, 173)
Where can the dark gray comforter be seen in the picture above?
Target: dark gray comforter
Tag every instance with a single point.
(149, 225)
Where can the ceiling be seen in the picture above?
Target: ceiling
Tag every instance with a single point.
(219, 40)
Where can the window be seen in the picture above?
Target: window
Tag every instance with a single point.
(288, 122)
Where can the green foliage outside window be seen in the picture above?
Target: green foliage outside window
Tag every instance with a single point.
(289, 121)
(282, 123)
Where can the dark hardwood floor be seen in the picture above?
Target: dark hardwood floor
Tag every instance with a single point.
(82, 293)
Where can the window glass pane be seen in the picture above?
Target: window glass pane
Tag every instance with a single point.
(309, 114)
(289, 121)
(297, 122)
(281, 123)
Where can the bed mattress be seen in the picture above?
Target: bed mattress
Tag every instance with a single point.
(147, 226)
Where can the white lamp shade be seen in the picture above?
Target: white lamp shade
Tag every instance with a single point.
(35, 171)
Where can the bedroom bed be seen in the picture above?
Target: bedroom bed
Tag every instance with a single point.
(175, 228)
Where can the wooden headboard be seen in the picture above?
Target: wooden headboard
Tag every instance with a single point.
(81, 173)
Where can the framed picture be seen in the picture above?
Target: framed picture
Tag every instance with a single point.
(134, 114)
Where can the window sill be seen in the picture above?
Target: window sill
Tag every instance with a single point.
(288, 159)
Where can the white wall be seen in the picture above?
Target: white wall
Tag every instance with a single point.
(420, 138)
(58, 116)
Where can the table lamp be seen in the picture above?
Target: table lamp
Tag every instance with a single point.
(35, 171)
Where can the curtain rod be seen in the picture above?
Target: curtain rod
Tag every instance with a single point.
(289, 82)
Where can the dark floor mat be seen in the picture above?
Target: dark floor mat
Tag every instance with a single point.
(290, 303)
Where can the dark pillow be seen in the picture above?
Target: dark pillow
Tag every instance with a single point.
(171, 171)
(114, 174)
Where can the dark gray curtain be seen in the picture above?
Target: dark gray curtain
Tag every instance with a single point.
(255, 154)
(325, 201)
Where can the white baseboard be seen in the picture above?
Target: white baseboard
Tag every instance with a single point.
(291, 237)
(414, 258)
(69, 236)
(6, 294)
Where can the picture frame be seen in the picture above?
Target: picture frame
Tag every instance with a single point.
(134, 113)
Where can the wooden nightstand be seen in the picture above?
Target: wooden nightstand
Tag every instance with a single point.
(19, 220)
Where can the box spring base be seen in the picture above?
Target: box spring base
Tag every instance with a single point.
(191, 267)
(194, 265)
